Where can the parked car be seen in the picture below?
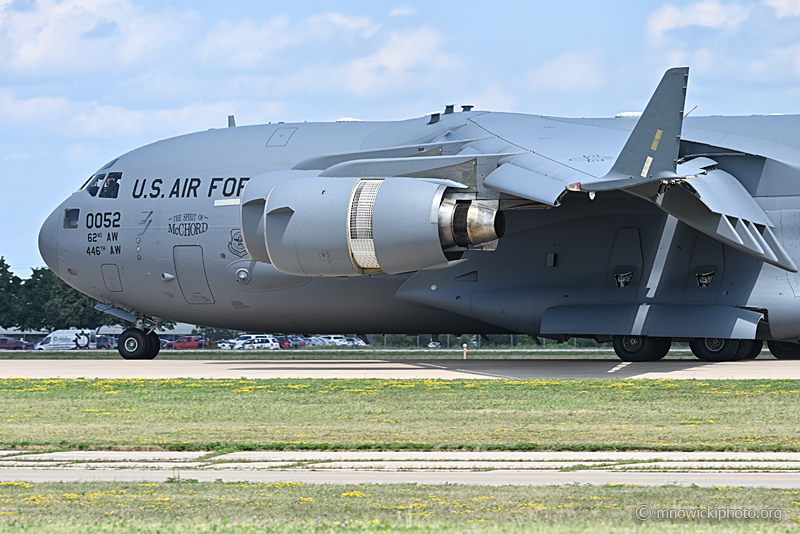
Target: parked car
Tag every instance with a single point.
(8, 343)
(260, 343)
(284, 342)
(68, 340)
(354, 342)
(188, 342)
(237, 343)
(298, 342)
(337, 340)
(226, 344)
(106, 342)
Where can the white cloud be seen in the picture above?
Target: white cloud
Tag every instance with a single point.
(756, 44)
(492, 98)
(78, 154)
(574, 71)
(19, 157)
(784, 8)
(52, 37)
(149, 57)
(252, 46)
(418, 52)
(708, 13)
(32, 111)
(403, 11)
(82, 122)
(775, 63)
(358, 26)
(246, 44)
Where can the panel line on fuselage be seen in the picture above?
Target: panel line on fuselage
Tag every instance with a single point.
(661, 256)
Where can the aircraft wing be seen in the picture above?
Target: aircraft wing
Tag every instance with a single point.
(695, 192)
(649, 166)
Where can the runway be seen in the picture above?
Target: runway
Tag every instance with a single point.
(401, 369)
(773, 470)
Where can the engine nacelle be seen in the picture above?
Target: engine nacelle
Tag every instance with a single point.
(346, 226)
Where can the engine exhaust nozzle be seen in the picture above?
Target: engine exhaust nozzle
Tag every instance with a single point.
(467, 223)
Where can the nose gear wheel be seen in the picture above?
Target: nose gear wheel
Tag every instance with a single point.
(136, 344)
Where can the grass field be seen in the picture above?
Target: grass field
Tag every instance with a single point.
(291, 507)
(222, 415)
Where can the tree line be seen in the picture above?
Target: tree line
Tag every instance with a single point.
(44, 302)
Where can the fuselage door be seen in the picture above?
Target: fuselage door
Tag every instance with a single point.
(111, 277)
(191, 274)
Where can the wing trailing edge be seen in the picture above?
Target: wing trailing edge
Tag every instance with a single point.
(716, 204)
(696, 192)
(700, 195)
(525, 183)
(650, 154)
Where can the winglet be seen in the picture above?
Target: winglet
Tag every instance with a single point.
(651, 151)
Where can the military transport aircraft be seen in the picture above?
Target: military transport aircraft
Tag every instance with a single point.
(639, 232)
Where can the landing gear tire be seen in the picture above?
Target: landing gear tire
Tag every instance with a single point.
(783, 350)
(714, 349)
(663, 344)
(155, 346)
(134, 344)
(749, 349)
(640, 348)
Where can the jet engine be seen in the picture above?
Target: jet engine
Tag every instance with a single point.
(321, 226)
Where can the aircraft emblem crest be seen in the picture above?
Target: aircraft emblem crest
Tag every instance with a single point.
(236, 244)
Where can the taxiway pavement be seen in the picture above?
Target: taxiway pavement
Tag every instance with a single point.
(401, 369)
(774, 470)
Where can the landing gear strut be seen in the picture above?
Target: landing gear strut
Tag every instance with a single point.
(136, 344)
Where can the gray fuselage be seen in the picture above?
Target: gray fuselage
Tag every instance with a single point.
(170, 244)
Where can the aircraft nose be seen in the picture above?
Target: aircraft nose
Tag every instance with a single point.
(48, 242)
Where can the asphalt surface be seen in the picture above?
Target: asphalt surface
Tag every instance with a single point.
(400, 369)
(773, 470)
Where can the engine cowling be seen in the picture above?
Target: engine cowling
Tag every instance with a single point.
(346, 226)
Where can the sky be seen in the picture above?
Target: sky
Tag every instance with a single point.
(84, 81)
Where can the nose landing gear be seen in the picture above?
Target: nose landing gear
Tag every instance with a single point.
(136, 344)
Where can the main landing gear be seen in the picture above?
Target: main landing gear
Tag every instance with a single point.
(783, 350)
(726, 350)
(649, 349)
(641, 348)
(136, 344)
